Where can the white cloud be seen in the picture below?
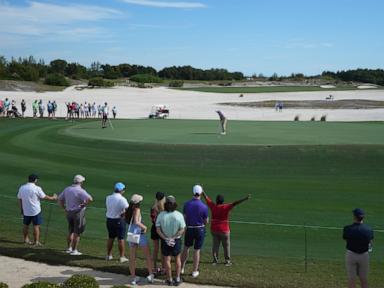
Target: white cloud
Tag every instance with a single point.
(166, 4)
(38, 19)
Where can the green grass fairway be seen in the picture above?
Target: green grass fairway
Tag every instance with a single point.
(239, 132)
(267, 89)
(304, 177)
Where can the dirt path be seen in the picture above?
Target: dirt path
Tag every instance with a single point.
(17, 272)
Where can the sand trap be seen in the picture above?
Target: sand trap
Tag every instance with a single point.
(136, 103)
(367, 87)
(327, 86)
(17, 272)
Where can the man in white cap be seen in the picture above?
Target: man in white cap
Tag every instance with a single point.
(196, 217)
(74, 200)
(116, 208)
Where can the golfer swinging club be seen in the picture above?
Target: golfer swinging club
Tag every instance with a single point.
(105, 111)
(223, 122)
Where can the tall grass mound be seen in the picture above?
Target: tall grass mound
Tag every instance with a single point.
(40, 285)
(100, 82)
(80, 281)
(3, 285)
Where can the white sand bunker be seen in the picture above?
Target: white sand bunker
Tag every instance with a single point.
(327, 86)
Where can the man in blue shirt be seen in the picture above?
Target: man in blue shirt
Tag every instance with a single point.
(196, 217)
(359, 237)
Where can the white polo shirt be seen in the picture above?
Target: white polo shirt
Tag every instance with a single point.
(30, 195)
(116, 205)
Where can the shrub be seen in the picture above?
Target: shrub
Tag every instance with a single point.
(313, 118)
(3, 285)
(80, 281)
(41, 285)
(145, 78)
(176, 83)
(56, 80)
(323, 118)
(297, 118)
(100, 82)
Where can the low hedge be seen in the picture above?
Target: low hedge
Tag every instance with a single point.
(80, 281)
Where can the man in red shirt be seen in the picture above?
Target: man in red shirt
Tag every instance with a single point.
(220, 225)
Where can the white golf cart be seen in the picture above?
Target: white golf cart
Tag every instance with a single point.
(159, 112)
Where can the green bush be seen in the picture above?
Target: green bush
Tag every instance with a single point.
(56, 80)
(145, 78)
(80, 281)
(3, 285)
(176, 83)
(41, 285)
(100, 82)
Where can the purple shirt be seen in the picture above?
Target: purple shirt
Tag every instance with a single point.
(73, 196)
(195, 212)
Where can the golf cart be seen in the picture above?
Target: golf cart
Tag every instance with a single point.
(159, 112)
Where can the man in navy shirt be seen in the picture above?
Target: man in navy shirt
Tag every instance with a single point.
(359, 237)
(196, 217)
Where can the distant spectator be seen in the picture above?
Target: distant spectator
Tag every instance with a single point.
(105, 112)
(359, 237)
(74, 199)
(23, 107)
(29, 196)
(196, 217)
(220, 226)
(114, 112)
(170, 226)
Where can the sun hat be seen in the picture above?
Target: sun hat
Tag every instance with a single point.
(119, 187)
(358, 212)
(136, 198)
(78, 179)
(159, 195)
(170, 199)
(33, 177)
(197, 189)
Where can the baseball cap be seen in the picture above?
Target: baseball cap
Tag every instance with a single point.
(160, 195)
(136, 198)
(358, 212)
(119, 187)
(197, 189)
(170, 199)
(78, 179)
(33, 177)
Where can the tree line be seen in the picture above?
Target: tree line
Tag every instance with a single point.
(58, 71)
(30, 69)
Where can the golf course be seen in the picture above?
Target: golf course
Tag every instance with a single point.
(304, 179)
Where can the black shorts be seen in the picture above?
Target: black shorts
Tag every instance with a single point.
(116, 228)
(154, 235)
(105, 117)
(195, 237)
(171, 251)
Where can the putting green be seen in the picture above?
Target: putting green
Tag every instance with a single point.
(206, 132)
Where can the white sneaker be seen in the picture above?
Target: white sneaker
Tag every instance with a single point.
(123, 259)
(108, 257)
(68, 250)
(195, 274)
(76, 253)
(150, 278)
(135, 280)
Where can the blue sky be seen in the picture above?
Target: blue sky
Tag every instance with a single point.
(251, 36)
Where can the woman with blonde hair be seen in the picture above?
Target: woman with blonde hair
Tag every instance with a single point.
(157, 207)
(137, 227)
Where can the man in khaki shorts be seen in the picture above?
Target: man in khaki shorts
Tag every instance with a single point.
(359, 238)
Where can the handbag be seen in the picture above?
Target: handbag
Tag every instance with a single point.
(132, 237)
